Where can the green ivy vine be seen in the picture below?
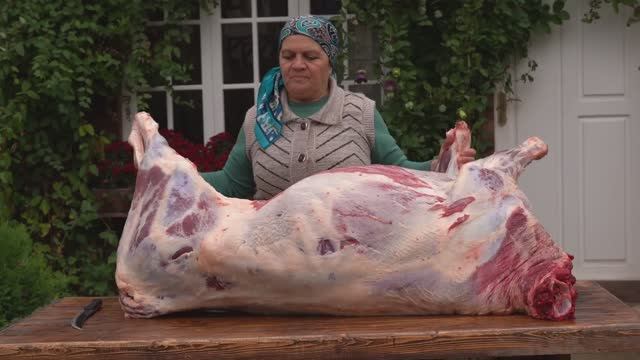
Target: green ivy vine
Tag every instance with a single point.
(443, 60)
(593, 12)
(63, 62)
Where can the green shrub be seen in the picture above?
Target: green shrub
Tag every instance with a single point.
(26, 281)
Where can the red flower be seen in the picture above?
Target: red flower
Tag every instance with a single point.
(117, 169)
(129, 169)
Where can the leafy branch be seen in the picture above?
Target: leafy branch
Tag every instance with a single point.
(62, 64)
(444, 58)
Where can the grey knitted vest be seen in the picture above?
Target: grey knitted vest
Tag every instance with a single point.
(340, 134)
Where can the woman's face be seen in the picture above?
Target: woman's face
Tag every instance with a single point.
(305, 68)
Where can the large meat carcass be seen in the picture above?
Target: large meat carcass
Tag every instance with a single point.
(367, 240)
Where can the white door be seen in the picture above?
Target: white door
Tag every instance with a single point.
(585, 103)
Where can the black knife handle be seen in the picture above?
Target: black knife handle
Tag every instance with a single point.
(86, 313)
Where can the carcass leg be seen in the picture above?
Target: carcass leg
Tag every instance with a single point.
(513, 162)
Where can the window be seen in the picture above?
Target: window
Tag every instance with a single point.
(183, 110)
(229, 52)
(245, 34)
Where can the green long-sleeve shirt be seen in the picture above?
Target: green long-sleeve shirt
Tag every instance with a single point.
(236, 178)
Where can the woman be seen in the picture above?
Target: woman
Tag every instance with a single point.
(304, 123)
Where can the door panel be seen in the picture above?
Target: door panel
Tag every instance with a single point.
(601, 119)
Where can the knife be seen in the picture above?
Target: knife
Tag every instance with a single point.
(90, 309)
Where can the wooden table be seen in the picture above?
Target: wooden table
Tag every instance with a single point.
(603, 324)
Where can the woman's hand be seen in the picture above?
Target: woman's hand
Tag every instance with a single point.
(465, 153)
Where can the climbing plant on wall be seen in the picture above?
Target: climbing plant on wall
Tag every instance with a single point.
(442, 60)
(59, 60)
(593, 12)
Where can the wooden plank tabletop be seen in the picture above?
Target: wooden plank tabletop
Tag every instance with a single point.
(603, 323)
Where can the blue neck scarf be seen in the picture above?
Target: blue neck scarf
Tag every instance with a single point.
(268, 106)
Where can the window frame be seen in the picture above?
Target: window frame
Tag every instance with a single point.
(212, 85)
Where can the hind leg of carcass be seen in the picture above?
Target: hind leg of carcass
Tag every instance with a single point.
(144, 128)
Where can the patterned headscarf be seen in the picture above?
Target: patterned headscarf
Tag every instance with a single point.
(319, 29)
(269, 109)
